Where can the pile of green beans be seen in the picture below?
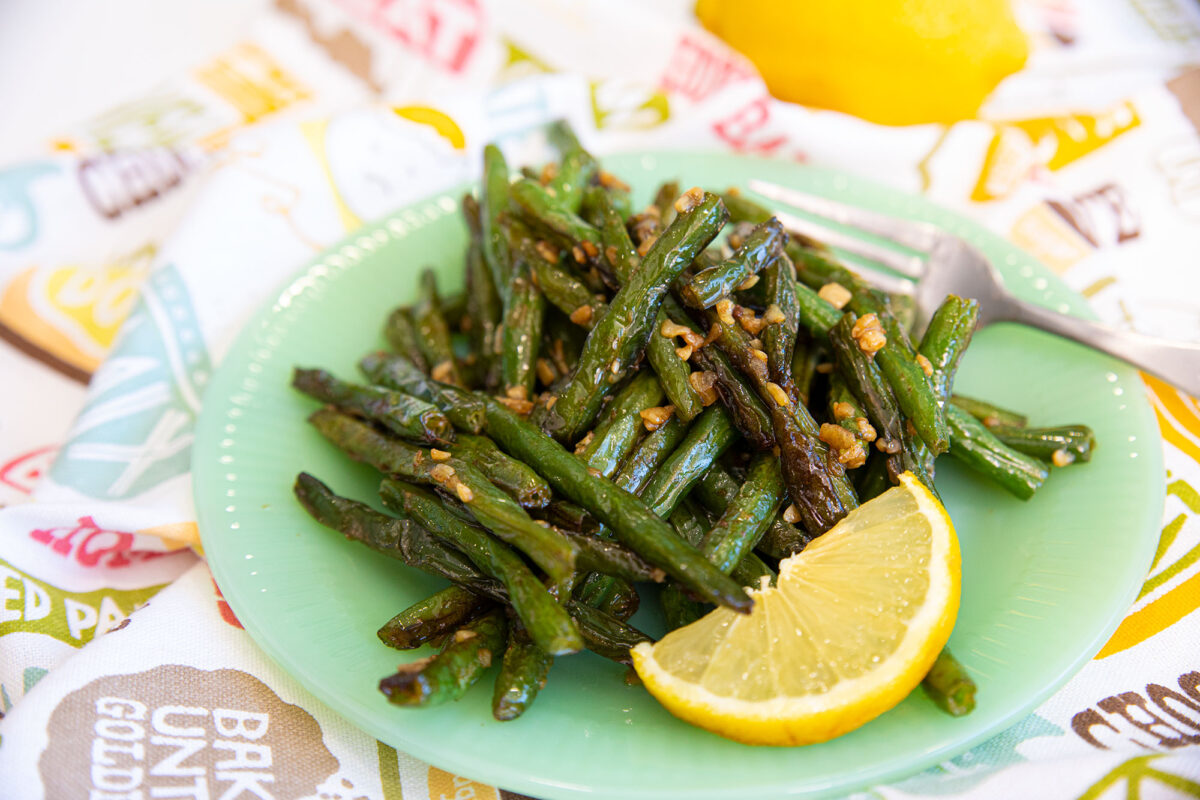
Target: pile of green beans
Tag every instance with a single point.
(620, 399)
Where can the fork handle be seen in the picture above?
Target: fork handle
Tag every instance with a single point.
(1177, 363)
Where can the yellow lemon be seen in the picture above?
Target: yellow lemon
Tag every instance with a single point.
(896, 62)
(853, 625)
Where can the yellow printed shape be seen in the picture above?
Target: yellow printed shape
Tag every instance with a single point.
(446, 786)
(254, 83)
(441, 122)
(1154, 618)
(1048, 142)
(1048, 238)
(176, 535)
(1178, 416)
(1179, 420)
(519, 63)
(72, 312)
(314, 134)
(620, 104)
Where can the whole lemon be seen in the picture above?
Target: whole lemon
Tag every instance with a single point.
(896, 62)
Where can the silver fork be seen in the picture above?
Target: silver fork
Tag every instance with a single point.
(946, 264)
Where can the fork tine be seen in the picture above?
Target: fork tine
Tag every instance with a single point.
(912, 266)
(919, 236)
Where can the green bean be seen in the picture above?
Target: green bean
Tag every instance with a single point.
(748, 514)
(433, 335)
(709, 436)
(604, 634)
(762, 246)
(630, 519)
(730, 541)
(664, 201)
(448, 675)
(517, 480)
(547, 621)
(564, 291)
(352, 519)
(398, 373)
(949, 686)
(614, 596)
(402, 337)
(431, 618)
(747, 411)
(522, 675)
(610, 558)
(545, 211)
(751, 570)
(522, 334)
(716, 491)
(454, 310)
(743, 209)
(897, 360)
(364, 443)
(568, 516)
(846, 412)
(689, 522)
(989, 414)
(407, 541)
(914, 390)
(618, 341)
(621, 424)
(1060, 445)
(814, 312)
(779, 336)
(904, 309)
(485, 309)
(400, 413)
(575, 170)
(673, 372)
(867, 383)
(495, 510)
(875, 478)
(946, 339)
(562, 342)
(807, 356)
(978, 448)
(618, 248)
(818, 487)
(679, 609)
(649, 455)
(494, 202)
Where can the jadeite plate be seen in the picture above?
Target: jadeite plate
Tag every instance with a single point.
(1045, 583)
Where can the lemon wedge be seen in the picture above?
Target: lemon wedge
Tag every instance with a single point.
(896, 62)
(853, 625)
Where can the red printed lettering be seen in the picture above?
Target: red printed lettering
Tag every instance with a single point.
(446, 34)
(697, 69)
(745, 129)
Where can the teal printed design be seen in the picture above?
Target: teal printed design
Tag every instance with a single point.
(136, 430)
(31, 676)
(964, 771)
(516, 110)
(18, 215)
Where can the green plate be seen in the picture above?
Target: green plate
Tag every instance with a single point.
(1045, 583)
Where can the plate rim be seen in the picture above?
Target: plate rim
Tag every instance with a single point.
(205, 451)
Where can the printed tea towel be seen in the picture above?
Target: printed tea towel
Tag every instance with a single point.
(135, 244)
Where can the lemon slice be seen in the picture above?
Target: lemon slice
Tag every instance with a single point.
(853, 625)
